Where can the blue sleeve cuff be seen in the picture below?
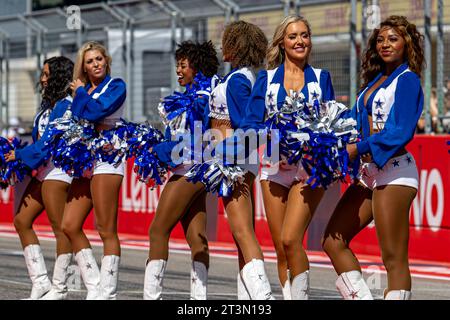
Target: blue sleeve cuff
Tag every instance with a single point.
(18, 154)
(80, 99)
(163, 151)
(363, 147)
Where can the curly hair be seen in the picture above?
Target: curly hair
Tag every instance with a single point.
(275, 55)
(373, 64)
(245, 43)
(202, 57)
(61, 71)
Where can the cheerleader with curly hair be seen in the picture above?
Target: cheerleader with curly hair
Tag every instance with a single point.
(180, 200)
(48, 189)
(386, 111)
(244, 46)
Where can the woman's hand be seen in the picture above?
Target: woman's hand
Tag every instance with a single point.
(353, 153)
(75, 84)
(10, 156)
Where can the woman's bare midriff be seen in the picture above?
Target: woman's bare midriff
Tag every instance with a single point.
(224, 126)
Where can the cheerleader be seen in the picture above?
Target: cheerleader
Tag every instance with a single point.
(387, 111)
(48, 188)
(243, 46)
(98, 98)
(289, 202)
(181, 200)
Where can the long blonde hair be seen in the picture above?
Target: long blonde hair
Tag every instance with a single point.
(275, 54)
(78, 71)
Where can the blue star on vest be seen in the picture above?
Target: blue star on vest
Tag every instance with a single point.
(270, 95)
(222, 108)
(213, 107)
(379, 115)
(379, 168)
(271, 107)
(315, 95)
(408, 158)
(212, 97)
(396, 163)
(378, 104)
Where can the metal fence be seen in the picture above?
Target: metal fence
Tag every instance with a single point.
(141, 36)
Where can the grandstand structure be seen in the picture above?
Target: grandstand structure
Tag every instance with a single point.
(142, 35)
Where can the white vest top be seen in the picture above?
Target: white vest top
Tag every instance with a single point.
(112, 119)
(382, 103)
(218, 108)
(314, 91)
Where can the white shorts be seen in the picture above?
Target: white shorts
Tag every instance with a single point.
(48, 171)
(106, 168)
(400, 170)
(285, 176)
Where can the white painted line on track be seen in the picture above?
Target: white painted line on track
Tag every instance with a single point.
(174, 247)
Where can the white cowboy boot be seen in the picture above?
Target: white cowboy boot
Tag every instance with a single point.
(242, 292)
(59, 289)
(255, 280)
(286, 289)
(34, 260)
(352, 286)
(397, 295)
(153, 280)
(89, 272)
(109, 275)
(300, 286)
(199, 281)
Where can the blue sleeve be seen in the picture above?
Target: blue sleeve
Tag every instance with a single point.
(401, 123)
(86, 107)
(201, 106)
(256, 107)
(326, 86)
(238, 93)
(163, 151)
(206, 117)
(35, 154)
(201, 103)
(350, 113)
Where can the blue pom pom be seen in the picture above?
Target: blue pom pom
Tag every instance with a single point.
(13, 171)
(140, 139)
(316, 135)
(70, 146)
(216, 177)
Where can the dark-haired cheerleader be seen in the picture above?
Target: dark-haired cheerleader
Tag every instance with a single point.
(386, 111)
(48, 189)
(181, 200)
(244, 46)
